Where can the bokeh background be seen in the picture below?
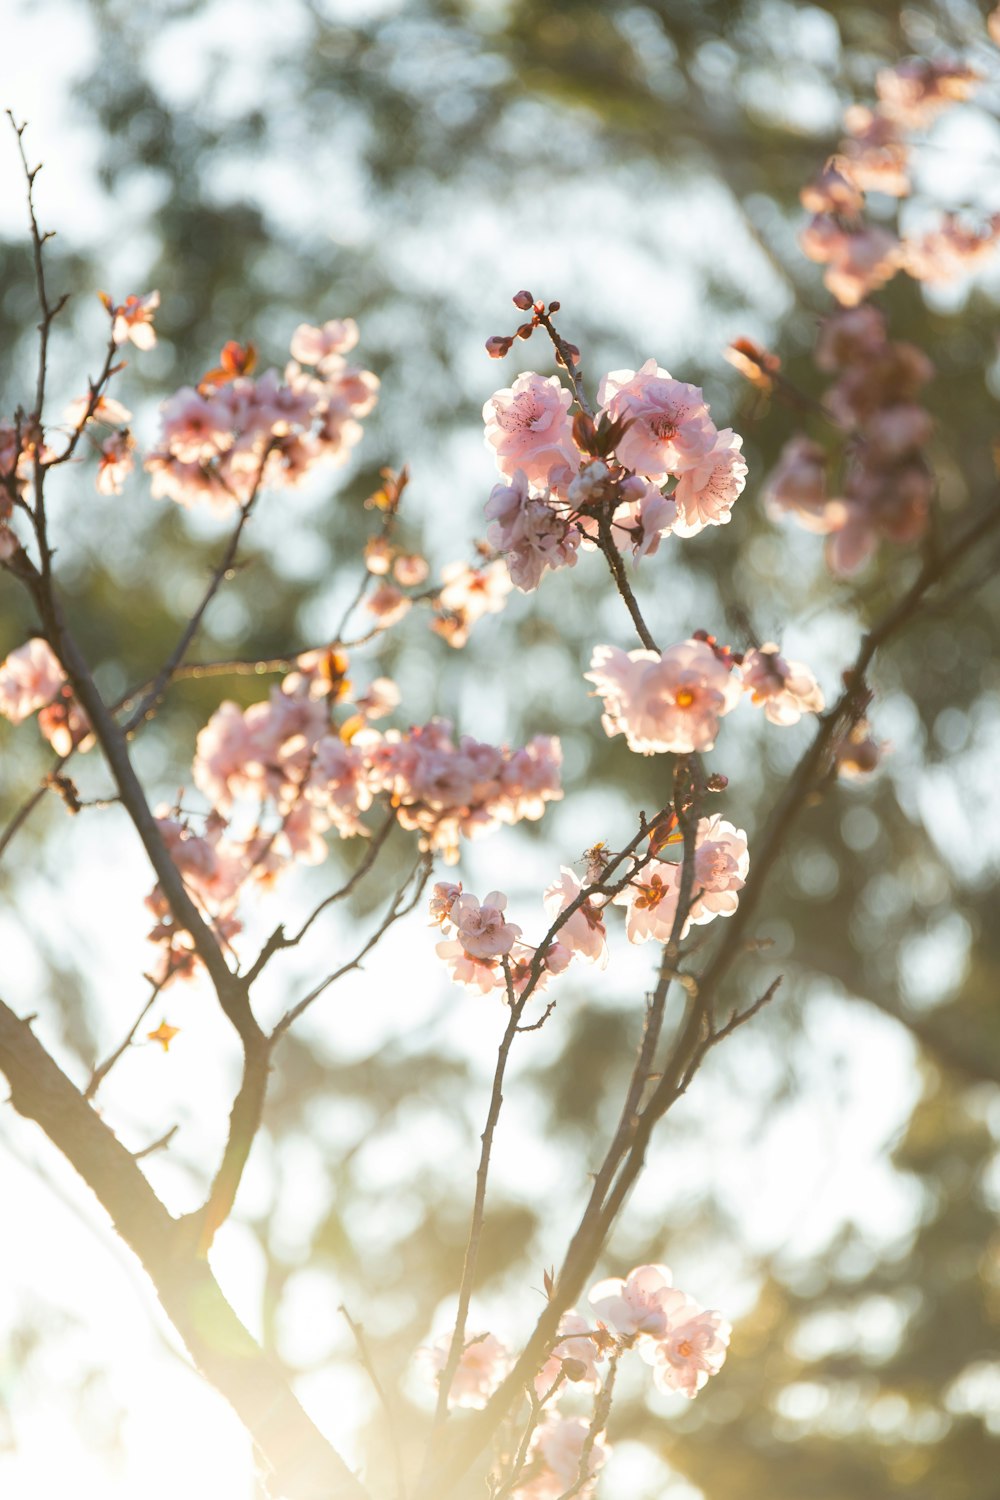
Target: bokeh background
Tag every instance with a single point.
(832, 1181)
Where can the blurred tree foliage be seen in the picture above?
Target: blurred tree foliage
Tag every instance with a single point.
(382, 159)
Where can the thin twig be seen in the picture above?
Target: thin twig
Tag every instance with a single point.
(103, 1069)
(421, 872)
(278, 941)
(365, 1358)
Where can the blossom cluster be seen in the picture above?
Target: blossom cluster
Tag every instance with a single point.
(281, 774)
(673, 700)
(555, 491)
(859, 256)
(887, 481)
(222, 440)
(32, 681)
(483, 951)
(682, 1342)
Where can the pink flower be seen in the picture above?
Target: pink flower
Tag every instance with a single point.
(914, 93)
(443, 898)
(411, 570)
(644, 519)
(134, 320)
(388, 604)
(380, 697)
(105, 409)
(692, 1351)
(669, 702)
(481, 1367)
(798, 484)
(671, 428)
(558, 1447)
(474, 592)
(482, 930)
(651, 897)
(721, 863)
(705, 494)
(30, 677)
(786, 689)
(584, 932)
(529, 428)
(116, 462)
(641, 1303)
(313, 346)
(532, 534)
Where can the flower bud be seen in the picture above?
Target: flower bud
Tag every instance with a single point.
(498, 346)
(523, 300)
(574, 1369)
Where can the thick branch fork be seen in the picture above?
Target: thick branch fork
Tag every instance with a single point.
(301, 1464)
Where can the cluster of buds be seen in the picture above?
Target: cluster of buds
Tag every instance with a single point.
(500, 345)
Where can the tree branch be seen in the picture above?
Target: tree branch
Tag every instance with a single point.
(302, 1464)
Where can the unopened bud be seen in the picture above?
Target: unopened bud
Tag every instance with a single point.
(574, 1369)
(554, 306)
(498, 346)
(716, 782)
(523, 300)
(572, 352)
(526, 330)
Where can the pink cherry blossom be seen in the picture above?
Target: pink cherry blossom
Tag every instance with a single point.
(721, 863)
(133, 320)
(410, 570)
(669, 702)
(481, 929)
(639, 1303)
(651, 897)
(481, 1367)
(705, 494)
(443, 898)
(313, 346)
(877, 155)
(388, 604)
(116, 462)
(105, 409)
(671, 427)
(644, 519)
(914, 92)
(797, 485)
(30, 677)
(555, 1457)
(474, 592)
(693, 1350)
(584, 932)
(950, 251)
(533, 535)
(833, 190)
(528, 427)
(787, 690)
(379, 698)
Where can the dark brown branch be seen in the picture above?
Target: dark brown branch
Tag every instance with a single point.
(620, 576)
